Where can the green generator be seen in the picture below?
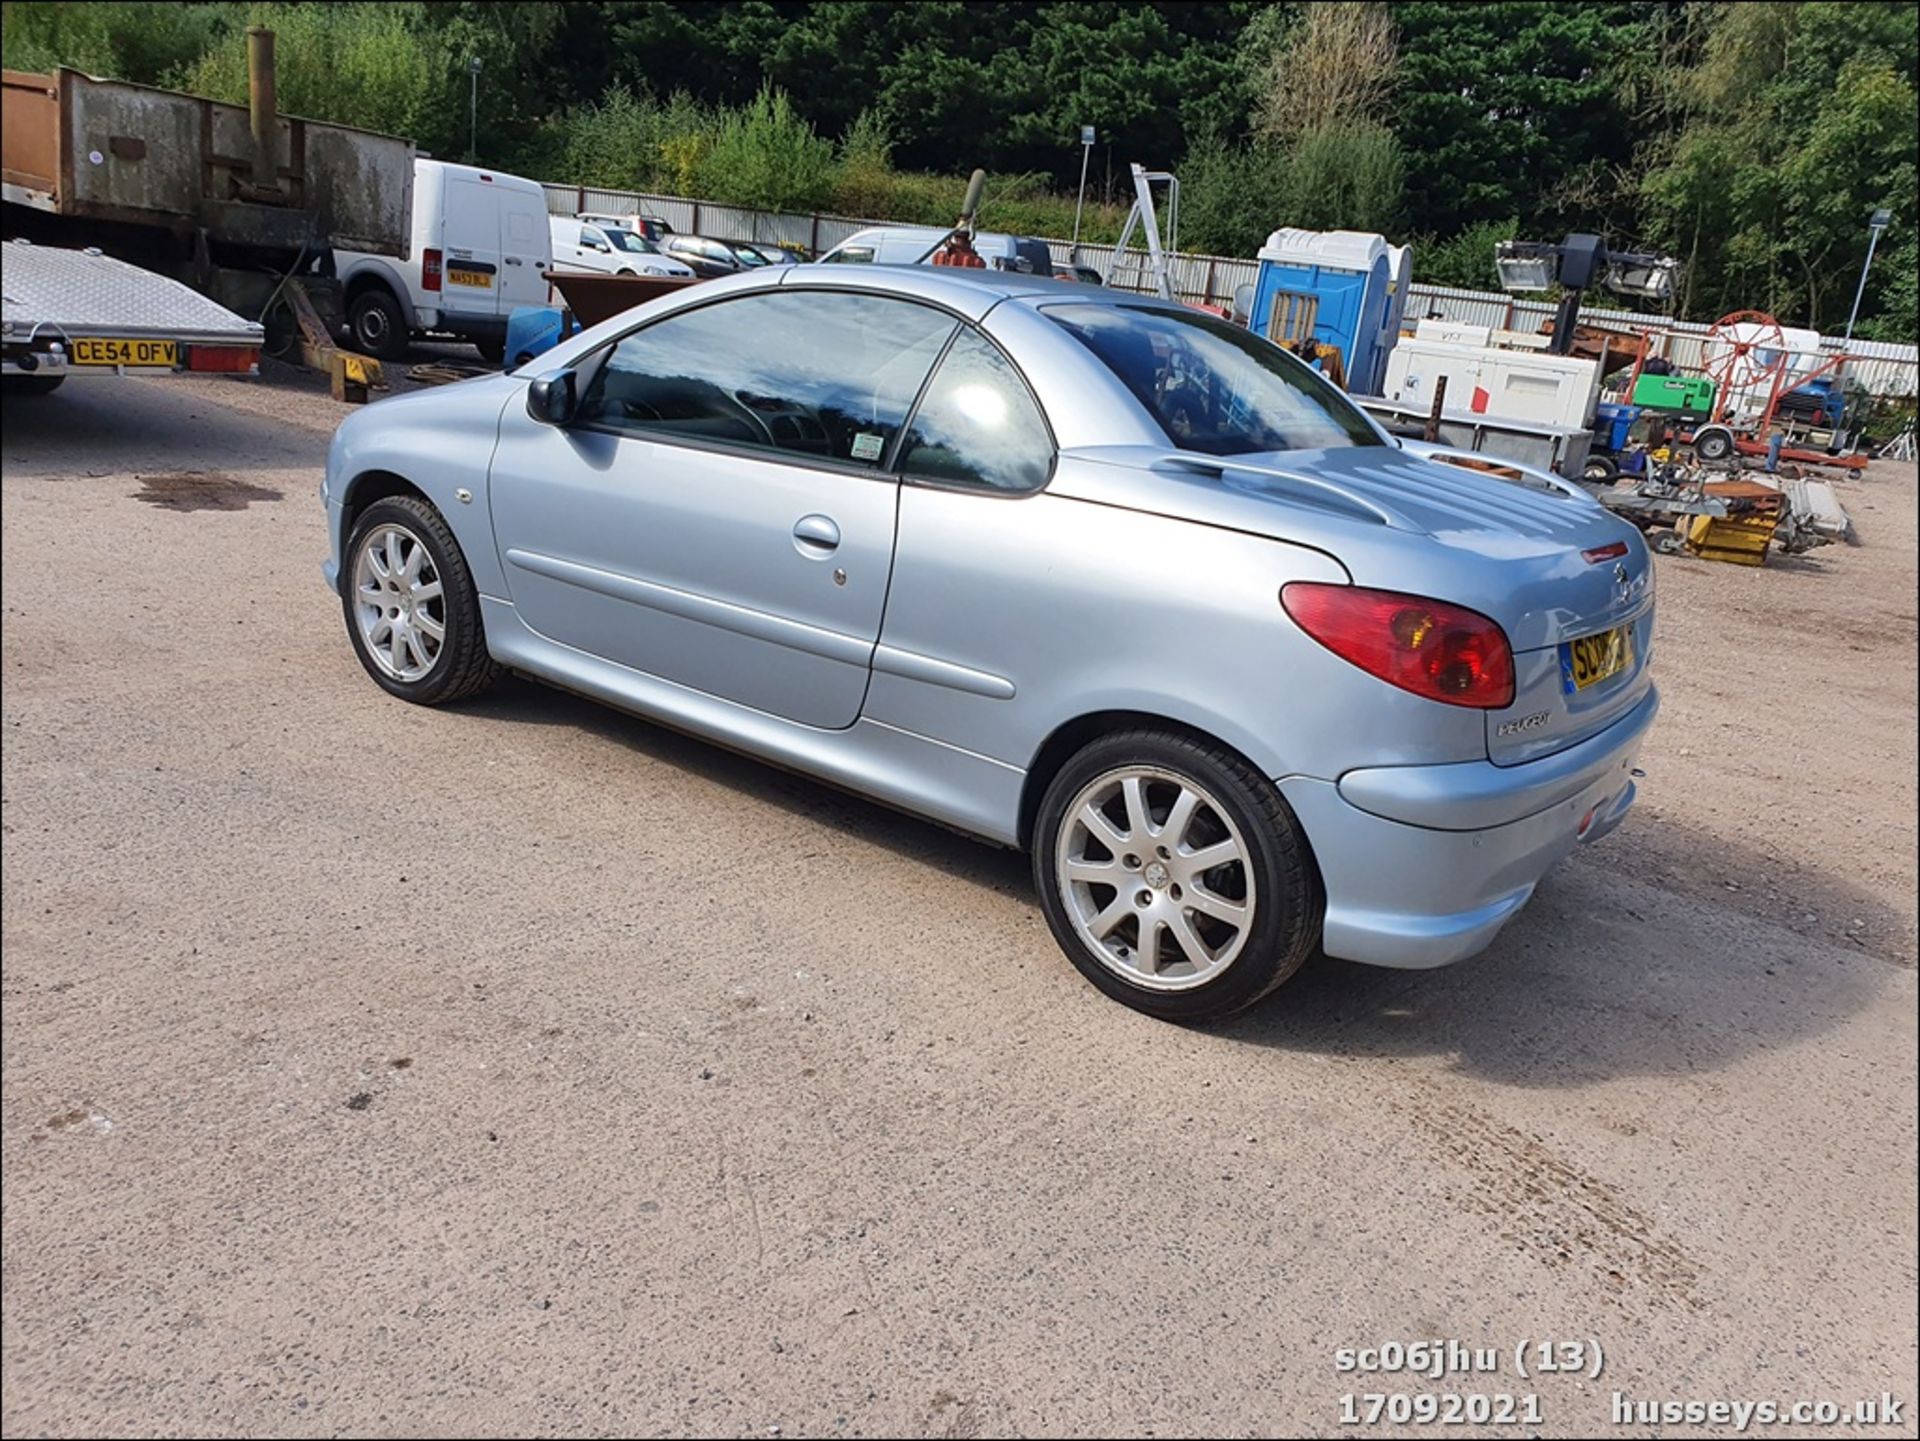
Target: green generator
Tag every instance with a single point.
(1688, 395)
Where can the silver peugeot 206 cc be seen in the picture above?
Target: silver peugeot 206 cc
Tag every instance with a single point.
(1076, 571)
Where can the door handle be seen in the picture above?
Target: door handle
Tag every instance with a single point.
(816, 536)
(513, 260)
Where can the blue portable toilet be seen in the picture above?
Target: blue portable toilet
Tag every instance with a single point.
(1345, 288)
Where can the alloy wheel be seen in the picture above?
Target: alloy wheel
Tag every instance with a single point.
(399, 603)
(1158, 880)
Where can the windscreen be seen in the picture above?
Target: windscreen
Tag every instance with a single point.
(1214, 387)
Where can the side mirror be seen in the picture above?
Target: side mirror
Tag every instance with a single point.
(553, 397)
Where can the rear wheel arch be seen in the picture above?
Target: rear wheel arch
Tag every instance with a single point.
(1074, 736)
(372, 278)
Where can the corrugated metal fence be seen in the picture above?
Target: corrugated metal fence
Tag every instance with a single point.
(1880, 367)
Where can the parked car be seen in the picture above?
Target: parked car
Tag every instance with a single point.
(480, 247)
(707, 256)
(915, 244)
(1085, 274)
(608, 251)
(1102, 577)
(647, 227)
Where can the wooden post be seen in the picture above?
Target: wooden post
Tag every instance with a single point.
(1433, 416)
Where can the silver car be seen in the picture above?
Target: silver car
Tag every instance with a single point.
(1101, 577)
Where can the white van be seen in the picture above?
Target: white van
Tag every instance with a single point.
(480, 248)
(608, 250)
(912, 244)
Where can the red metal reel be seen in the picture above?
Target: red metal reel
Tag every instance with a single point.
(1725, 351)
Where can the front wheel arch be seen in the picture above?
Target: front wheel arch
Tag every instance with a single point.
(370, 486)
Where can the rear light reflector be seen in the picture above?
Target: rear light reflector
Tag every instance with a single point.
(429, 270)
(223, 359)
(1443, 652)
(1604, 552)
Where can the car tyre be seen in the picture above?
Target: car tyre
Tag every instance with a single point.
(379, 327)
(1203, 831)
(414, 596)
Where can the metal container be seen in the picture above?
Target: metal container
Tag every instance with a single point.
(595, 298)
(104, 150)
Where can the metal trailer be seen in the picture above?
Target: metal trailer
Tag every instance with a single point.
(78, 312)
(1547, 447)
(229, 199)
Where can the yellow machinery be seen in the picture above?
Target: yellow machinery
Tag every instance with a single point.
(1737, 539)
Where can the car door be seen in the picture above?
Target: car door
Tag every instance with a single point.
(591, 250)
(719, 514)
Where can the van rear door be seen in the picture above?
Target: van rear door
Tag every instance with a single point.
(472, 241)
(526, 248)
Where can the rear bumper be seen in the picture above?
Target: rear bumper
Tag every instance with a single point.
(1427, 892)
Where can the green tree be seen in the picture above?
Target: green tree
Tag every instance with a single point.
(378, 66)
(1497, 105)
(145, 41)
(1794, 122)
(764, 155)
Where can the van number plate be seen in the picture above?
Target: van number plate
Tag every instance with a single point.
(478, 279)
(155, 353)
(1594, 658)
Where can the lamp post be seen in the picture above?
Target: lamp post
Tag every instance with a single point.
(1876, 223)
(473, 108)
(1086, 153)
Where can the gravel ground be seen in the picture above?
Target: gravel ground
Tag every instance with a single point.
(525, 1067)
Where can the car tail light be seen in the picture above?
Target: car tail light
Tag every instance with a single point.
(429, 270)
(223, 359)
(1442, 652)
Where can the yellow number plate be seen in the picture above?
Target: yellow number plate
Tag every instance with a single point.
(478, 279)
(1594, 658)
(126, 352)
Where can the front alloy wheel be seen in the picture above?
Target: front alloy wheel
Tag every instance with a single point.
(399, 603)
(411, 607)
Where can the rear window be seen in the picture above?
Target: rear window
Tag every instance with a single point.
(1214, 387)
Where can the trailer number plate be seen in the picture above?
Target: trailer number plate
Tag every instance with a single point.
(1594, 658)
(150, 353)
(478, 279)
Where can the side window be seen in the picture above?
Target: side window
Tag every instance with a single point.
(852, 255)
(593, 239)
(978, 425)
(826, 375)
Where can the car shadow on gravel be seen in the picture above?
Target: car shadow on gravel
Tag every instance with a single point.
(1615, 969)
(965, 857)
(1622, 965)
